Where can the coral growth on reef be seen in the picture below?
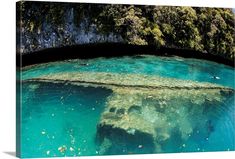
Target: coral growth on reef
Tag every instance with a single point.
(148, 111)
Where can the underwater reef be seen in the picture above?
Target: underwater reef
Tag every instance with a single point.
(147, 111)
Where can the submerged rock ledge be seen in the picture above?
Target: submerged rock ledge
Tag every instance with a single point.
(125, 80)
(147, 108)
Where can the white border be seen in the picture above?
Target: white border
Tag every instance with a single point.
(7, 84)
(197, 3)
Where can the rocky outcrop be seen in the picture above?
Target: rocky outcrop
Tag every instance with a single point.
(114, 80)
(50, 36)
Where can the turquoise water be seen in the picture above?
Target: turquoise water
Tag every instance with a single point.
(175, 67)
(61, 120)
(55, 116)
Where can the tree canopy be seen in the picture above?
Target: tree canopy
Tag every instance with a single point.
(209, 30)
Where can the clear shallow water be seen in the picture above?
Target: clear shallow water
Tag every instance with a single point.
(175, 67)
(55, 116)
(61, 120)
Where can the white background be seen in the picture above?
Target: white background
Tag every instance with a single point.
(7, 77)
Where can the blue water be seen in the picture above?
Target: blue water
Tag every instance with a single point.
(61, 120)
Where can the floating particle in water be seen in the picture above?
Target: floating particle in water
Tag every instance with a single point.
(215, 77)
(93, 108)
(53, 137)
(33, 87)
(48, 152)
(198, 131)
(140, 146)
(62, 149)
(198, 149)
(84, 141)
(97, 152)
(131, 131)
(71, 149)
(184, 145)
(43, 132)
(207, 138)
(52, 114)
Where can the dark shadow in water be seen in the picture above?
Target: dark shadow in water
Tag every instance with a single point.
(11, 153)
(108, 50)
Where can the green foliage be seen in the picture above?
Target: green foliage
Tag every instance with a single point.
(129, 22)
(209, 30)
(124, 20)
(179, 26)
(218, 32)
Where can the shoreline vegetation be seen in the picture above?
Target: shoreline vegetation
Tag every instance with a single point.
(58, 31)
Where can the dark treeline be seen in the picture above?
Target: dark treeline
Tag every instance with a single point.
(208, 30)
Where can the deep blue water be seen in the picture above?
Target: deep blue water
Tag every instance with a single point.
(61, 120)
